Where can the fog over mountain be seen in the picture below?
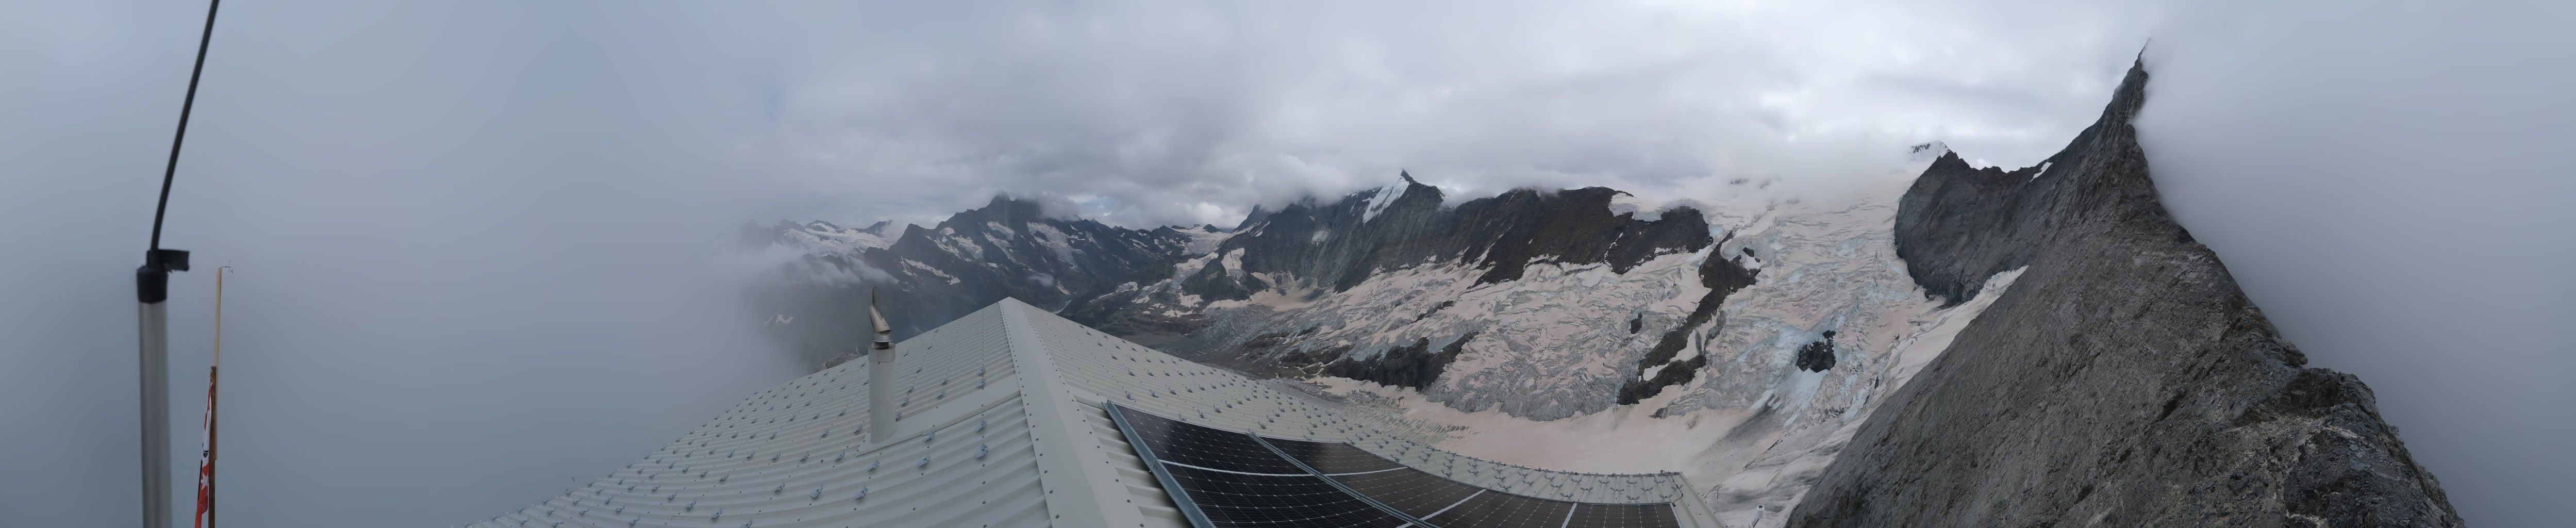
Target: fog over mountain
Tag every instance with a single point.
(450, 218)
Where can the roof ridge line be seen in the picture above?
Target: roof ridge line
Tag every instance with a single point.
(1055, 429)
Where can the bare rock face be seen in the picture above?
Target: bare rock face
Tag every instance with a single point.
(1817, 356)
(1413, 366)
(1721, 276)
(2123, 380)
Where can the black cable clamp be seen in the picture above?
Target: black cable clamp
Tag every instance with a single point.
(152, 280)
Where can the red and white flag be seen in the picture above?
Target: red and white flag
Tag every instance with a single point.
(206, 459)
(205, 517)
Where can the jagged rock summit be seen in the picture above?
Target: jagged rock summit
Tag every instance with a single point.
(2123, 380)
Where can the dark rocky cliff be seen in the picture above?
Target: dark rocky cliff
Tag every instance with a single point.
(2123, 380)
(1341, 243)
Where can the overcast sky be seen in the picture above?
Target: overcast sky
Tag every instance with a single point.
(473, 237)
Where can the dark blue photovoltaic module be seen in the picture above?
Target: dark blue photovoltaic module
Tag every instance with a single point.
(1224, 479)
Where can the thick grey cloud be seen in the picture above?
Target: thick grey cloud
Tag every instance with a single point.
(2389, 185)
(474, 236)
(1154, 113)
(468, 274)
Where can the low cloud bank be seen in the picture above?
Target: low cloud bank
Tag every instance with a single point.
(2390, 184)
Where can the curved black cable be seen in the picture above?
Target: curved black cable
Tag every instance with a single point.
(171, 171)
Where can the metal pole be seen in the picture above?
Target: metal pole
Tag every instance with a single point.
(211, 372)
(152, 365)
(155, 380)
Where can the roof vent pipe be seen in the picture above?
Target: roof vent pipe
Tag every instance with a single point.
(882, 410)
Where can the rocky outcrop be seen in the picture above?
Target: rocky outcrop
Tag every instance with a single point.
(1817, 356)
(1721, 276)
(2123, 380)
(1415, 365)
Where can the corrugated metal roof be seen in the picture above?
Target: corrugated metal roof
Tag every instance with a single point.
(1002, 426)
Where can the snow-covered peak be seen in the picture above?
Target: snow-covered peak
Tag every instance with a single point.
(1384, 196)
(1927, 151)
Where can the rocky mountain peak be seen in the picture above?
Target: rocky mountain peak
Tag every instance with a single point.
(2122, 380)
(1002, 210)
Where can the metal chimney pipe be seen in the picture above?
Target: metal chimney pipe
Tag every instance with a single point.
(882, 407)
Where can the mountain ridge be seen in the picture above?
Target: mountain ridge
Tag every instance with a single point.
(2124, 380)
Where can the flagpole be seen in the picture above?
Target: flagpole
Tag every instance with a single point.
(219, 314)
(206, 510)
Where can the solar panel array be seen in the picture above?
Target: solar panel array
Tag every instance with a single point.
(1227, 479)
(1101, 368)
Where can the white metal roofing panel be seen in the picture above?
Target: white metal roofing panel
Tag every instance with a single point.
(793, 456)
(1001, 425)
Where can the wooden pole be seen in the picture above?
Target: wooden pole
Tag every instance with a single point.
(212, 370)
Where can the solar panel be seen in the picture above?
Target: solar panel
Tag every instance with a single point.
(1504, 510)
(1408, 490)
(1623, 515)
(1232, 499)
(1225, 479)
(1190, 445)
(1333, 458)
(1228, 479)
